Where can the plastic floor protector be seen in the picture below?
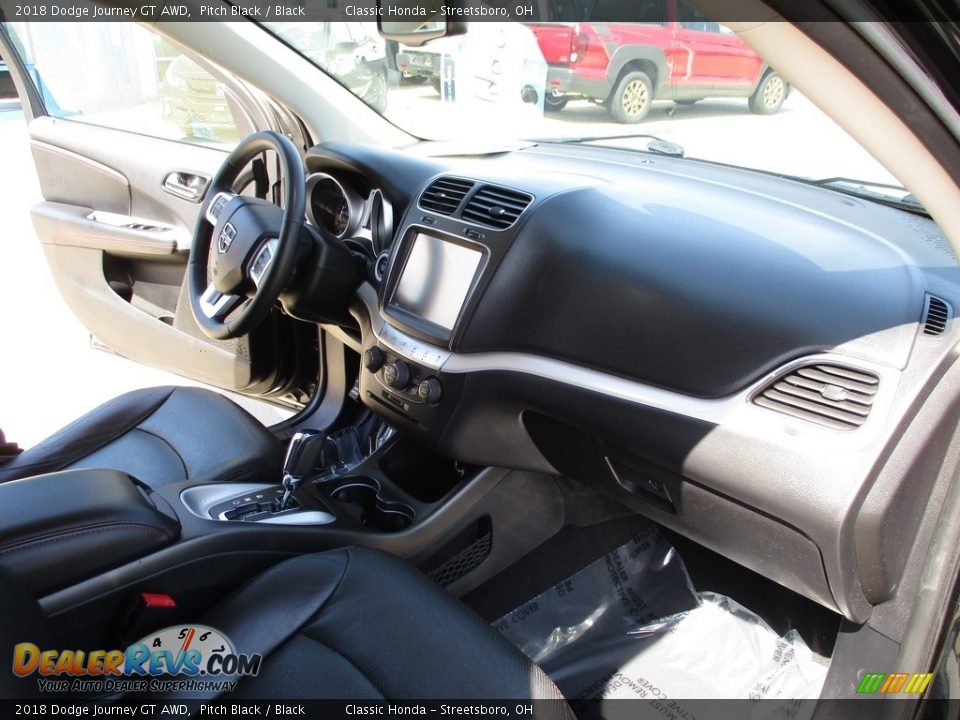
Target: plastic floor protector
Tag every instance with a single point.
(631, 625)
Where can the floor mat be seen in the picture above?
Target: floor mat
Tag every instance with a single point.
(631, 625)
(563, 555)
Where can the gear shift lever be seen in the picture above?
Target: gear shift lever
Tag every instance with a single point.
(305, 447)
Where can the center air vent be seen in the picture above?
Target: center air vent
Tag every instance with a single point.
(496, 207)
(445, 195)
(935, 316)
(829, 395)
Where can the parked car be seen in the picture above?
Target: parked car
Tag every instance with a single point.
(196, 102)
(495, 62)
(674, 53)
(426, 63)
(353, 53)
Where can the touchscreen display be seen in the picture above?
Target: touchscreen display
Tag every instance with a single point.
(436, 279)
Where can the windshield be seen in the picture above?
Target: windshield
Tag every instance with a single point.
(677, 76)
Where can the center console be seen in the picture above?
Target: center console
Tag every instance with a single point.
(332, 482)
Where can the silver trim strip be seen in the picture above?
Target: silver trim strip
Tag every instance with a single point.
(418, 351)
(719, 411)
(355, 203)
(714, 410)
(303, 517)
(199, 499)
(216, 305)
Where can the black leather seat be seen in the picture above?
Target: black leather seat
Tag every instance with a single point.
(350, 623)
(160, 435)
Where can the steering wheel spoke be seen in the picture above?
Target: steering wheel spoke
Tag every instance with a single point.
(217, 305)
(217, 204)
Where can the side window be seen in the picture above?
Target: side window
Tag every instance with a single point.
(123, 76)
(695, 20)
(559, 10)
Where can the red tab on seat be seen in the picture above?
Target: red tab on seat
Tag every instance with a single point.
(152, 600)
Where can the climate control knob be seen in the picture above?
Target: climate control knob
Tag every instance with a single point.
(397, 375)
(430, 390)
(373, 359)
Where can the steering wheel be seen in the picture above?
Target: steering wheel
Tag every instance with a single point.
(254, 243)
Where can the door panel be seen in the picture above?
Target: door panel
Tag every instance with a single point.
(101, 185)
(117, 218)
(116, 171)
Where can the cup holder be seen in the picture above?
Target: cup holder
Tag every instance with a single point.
(359, 491)
(361, 498)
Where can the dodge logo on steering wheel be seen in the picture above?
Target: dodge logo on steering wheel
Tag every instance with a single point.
(227, 235)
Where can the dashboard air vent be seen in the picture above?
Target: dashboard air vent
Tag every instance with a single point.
(935, 316)
(445, 195)
(829, 395)
(496, 207)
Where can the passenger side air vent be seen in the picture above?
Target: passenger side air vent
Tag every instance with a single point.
(935, 316)
(496, 207)
(445, 195)
(829, 395)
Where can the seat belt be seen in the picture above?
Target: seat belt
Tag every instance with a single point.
(8, 450)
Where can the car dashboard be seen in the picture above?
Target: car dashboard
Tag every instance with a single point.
(738, 356)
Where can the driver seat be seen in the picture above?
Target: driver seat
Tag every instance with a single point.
(160, 436)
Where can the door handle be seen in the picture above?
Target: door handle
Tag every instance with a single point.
(188, 186)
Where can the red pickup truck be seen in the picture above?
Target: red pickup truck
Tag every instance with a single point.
(674, 54)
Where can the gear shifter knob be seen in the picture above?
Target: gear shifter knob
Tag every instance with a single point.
(305, 447)
(302, 455)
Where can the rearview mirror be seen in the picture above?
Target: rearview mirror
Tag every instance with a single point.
(415, 22)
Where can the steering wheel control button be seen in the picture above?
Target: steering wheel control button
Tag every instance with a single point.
(216, 206)
(373, 359)
(430, 390)
(261, 262)
(397, 375)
